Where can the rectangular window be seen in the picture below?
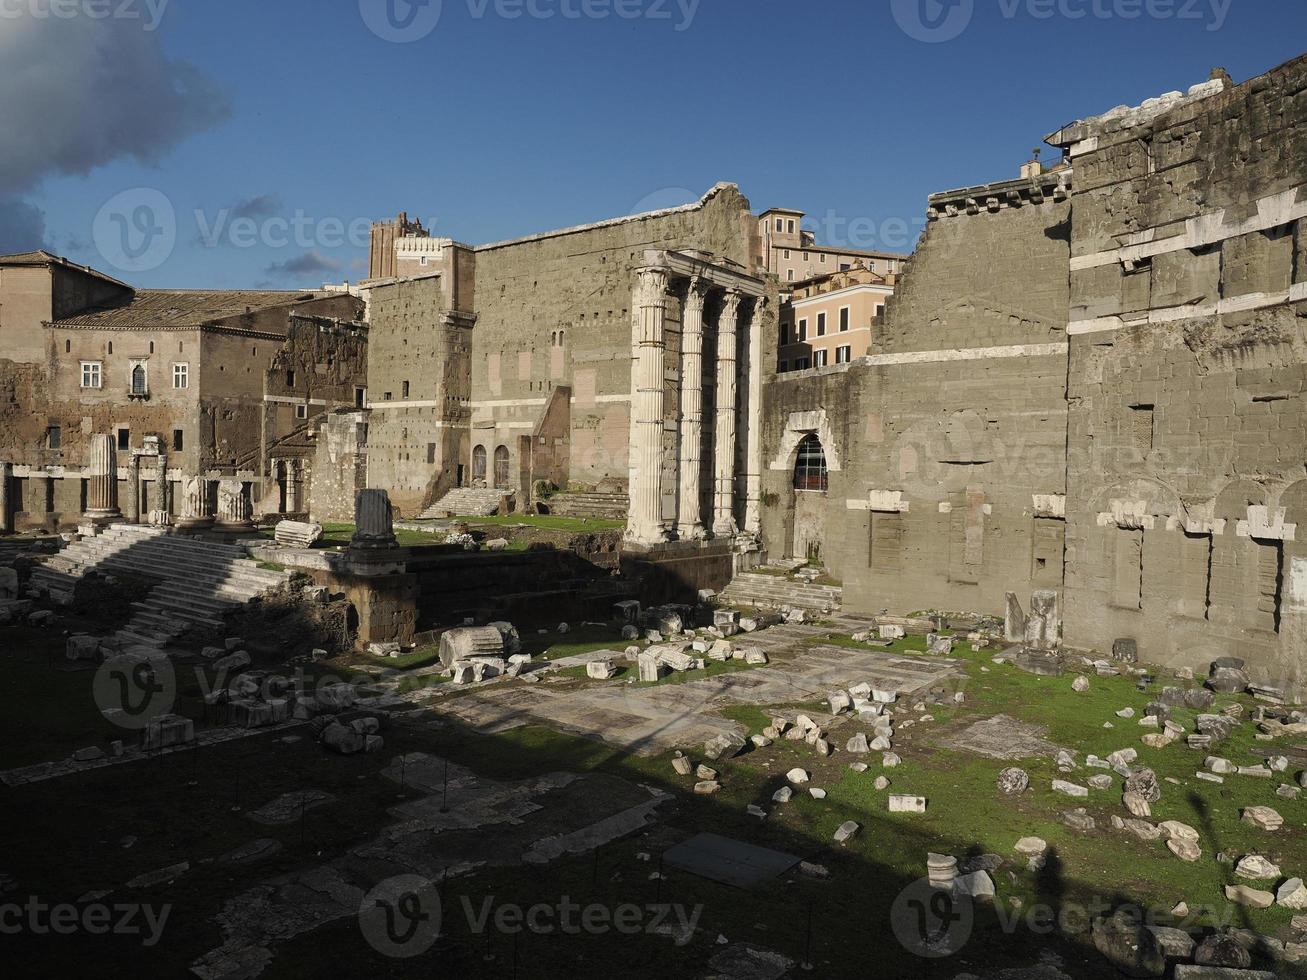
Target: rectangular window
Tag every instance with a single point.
(843, 354)
(844, 267)
(290, 379)
(801, 364)
(178, 440)
(789, 274)
(92, 374)
(431, 453)
(785, 334)
(823, 258)
(181, 376)
(1141, 427)
(780, 226)
(405, 386)
(53, 437)
(886, 545)
(124, 438)
(360, 397)
(821, 324)
(844, 319)
(791, 226)
(1128, 569)
(803, 330)
(787, 253)
(301, 411)
(386, 397)
(805, 257)
(819, 358)
(1270, 583)
(872, 265)
(880, 309)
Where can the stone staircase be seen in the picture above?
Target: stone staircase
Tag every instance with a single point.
(467, 502)
(762, 591)
(198, 581)
(591, 504)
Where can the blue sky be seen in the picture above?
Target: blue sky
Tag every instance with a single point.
(494, 125)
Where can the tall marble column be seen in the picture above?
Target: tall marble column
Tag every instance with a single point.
(162, 489)
(235, 512)
(644, 521)
(689, 516)
(133, 513)
(196, 512)
(102, 481)
(374, 521)
(724, 439)
(292, 487)
(753, 437)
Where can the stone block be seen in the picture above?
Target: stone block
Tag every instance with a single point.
(82, 647)
(167, 731)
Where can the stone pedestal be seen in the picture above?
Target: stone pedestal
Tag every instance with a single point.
(648, 321)
(197, 514)
(235, 512)
(102, 482)
(724, 444)
(689, 518)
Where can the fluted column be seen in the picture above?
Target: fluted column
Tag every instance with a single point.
(102, 481)
(196, 512)
(234, 509)
(162, 491)
(689, 516)
(753, 438)
(644, 521)
(292, 488)
(724, 436)
(374, 521)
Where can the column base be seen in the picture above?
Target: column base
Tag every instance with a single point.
(656, 536)
(695, 532)
(102, 518)
(189, 525)
(725, 529)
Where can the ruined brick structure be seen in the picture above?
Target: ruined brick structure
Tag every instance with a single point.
(1090, 380)
(510, 363)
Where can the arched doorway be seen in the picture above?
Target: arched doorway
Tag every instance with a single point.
(811, 481)
(479, 466)
(501, 467)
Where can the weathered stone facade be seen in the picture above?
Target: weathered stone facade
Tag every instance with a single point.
(1089, 381)
(512, 362)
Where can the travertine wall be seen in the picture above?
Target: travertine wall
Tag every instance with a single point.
(555, 310)
(1188, 430)
(948, 456)
(416, 437)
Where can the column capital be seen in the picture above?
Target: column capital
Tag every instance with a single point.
(696, 292)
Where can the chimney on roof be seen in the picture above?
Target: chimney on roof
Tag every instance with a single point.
(1032, 168)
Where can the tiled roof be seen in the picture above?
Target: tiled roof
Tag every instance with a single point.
(42, 257)
(185, 307)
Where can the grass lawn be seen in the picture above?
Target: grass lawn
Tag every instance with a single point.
(546, 522)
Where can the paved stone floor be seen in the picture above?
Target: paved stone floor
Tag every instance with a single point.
(446, 831)
(650, 720)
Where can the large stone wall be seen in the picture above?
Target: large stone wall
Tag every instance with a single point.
(419, 364)
(1188, 428)
(946, 447)
(554, 311)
